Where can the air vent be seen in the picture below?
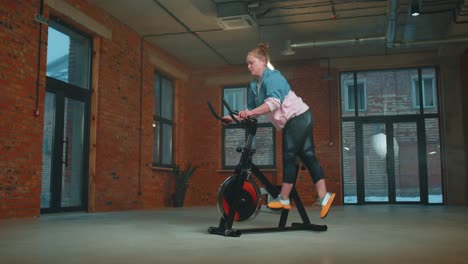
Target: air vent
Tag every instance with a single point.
(236, 22)
(235, 15)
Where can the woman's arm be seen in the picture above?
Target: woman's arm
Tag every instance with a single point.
(261, 110)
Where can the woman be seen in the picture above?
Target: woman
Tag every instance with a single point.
(270, 94)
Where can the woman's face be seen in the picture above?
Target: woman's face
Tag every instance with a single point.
(255, 65)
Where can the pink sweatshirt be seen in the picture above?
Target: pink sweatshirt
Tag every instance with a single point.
(281, 113)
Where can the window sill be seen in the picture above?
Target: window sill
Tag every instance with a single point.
(232, 170)
(161, 168)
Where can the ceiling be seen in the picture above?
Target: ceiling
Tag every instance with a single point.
(191, 30)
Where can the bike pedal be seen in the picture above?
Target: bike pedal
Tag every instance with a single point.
(265, 209)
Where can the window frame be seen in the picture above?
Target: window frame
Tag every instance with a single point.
(69, 30)
(259, 125)
(348, 84)
(157, 159)
(415, 91)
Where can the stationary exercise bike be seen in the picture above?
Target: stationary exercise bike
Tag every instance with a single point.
(240, 198)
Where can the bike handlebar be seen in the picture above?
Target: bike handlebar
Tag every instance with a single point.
(232, 113)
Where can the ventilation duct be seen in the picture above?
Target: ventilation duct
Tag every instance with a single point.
(461, 13)
(235, 15)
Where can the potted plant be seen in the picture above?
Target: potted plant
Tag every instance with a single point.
(181, 178)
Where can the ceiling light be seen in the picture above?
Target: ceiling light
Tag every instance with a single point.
(288, 49)
(415, 8)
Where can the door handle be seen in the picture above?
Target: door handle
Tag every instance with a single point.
(66, 152)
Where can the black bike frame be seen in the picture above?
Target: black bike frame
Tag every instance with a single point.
(243, 170)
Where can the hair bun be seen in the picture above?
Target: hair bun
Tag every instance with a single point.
(264, 46)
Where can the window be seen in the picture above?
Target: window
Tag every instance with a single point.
(68, 55)
(428, 90)
(361, 94)
(234, 137)
(162, 121)
(382, 160)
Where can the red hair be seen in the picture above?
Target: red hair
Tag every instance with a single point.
(261, 52)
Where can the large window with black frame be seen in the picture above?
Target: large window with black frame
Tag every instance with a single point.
(234, 136)
(163, 121)
(391, 141)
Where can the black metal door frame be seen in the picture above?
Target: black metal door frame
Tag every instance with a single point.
(63, 90)
(390, 162)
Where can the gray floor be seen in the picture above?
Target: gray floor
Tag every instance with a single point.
(356, 234)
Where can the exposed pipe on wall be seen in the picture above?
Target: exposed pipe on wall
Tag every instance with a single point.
(330, 103)
(36, 111)
(141, 115)
(333, 16)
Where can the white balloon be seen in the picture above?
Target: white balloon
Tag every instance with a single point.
(379, 143)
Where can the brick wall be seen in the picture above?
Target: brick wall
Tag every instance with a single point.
(20, 130)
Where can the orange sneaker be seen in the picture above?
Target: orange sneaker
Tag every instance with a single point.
(325, 203)
(279, 203)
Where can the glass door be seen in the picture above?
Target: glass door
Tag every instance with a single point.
(391, 162)
(406, 162)
(375, 163)
(72, 154)
(48, 150)
(64, 156)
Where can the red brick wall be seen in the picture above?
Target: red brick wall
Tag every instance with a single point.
(119, 170)
(20, 130)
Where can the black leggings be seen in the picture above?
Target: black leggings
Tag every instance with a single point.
(298, 141)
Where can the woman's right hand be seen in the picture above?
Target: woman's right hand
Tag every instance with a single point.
(227, 119)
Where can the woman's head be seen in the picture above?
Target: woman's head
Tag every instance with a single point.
(257, 60)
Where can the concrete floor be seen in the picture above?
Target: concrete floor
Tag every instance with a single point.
(356, 234)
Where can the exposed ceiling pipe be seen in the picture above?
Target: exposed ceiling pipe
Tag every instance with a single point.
(429, 42)
(389, 38)
(392, 17)
(289, 45)
(335, 42)
(409, 26)
(288, 49)
(460, 12)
